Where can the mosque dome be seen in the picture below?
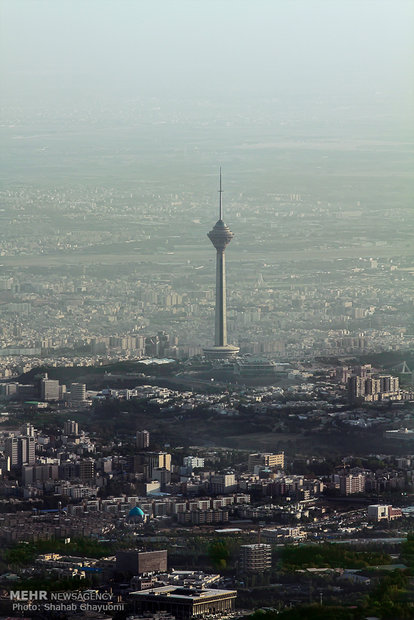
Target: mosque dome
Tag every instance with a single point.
(136, 514)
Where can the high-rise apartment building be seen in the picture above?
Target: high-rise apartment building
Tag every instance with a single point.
(40, 473)
(162, 475)
(87, 469)
(28, 430)
(148, 461)
(223, 483)
(352, 483)
(11, 450)
(192, 462)
(77, 393)
(49, 389)
(71, 427)
(372, 387)
(255, 558)
(142, 440)
(28, 450)
(20, 450)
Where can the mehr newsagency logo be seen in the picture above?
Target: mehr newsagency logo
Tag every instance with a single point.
(86, 600)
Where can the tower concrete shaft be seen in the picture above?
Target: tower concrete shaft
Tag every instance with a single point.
(220, 339)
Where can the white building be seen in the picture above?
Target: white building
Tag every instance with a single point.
(381, 512)
(192, 462)
(77, 393)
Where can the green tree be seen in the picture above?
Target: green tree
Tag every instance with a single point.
(219, 554)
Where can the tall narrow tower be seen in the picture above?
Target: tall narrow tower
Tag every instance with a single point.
(220, 237)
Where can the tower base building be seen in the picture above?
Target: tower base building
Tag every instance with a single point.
(218, 352)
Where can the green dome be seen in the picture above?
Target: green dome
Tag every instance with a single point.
(136, 513)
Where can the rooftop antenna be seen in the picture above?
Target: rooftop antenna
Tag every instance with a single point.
(220, 201)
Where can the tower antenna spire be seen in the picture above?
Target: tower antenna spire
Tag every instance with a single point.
(220, 200)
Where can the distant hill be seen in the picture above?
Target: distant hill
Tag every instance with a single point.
(67, 374)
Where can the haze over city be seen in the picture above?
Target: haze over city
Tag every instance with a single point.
(172, 425)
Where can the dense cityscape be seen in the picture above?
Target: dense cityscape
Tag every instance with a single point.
(142, 524)
(144, 475)
(347, 296)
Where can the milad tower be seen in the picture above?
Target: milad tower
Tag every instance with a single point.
(220, 237)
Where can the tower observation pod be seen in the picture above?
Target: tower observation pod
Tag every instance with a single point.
(220, 237)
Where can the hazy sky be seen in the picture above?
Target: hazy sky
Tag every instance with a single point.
(110, 50)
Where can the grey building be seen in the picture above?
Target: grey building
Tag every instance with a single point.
(185, 603)
(20, 450)
(49, 389)
(142, 440)
(255, 558)
(134, 562)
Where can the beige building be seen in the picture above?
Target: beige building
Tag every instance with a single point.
(154, 460)
(283, 534)
(266, 459)
(352, 483)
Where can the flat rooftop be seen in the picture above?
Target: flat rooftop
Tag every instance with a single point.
(188, 594)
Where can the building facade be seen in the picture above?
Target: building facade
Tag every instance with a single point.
(142, 440)
(255, 558)
(185, 603)
(266, 459)
(136, 562)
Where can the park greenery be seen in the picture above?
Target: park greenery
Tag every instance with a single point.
(219, 554)
(306, 612)
(388, 600)
(329, 555)
(23, 553)
(407, 551)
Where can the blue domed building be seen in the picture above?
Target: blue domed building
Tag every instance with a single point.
(136, 515)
